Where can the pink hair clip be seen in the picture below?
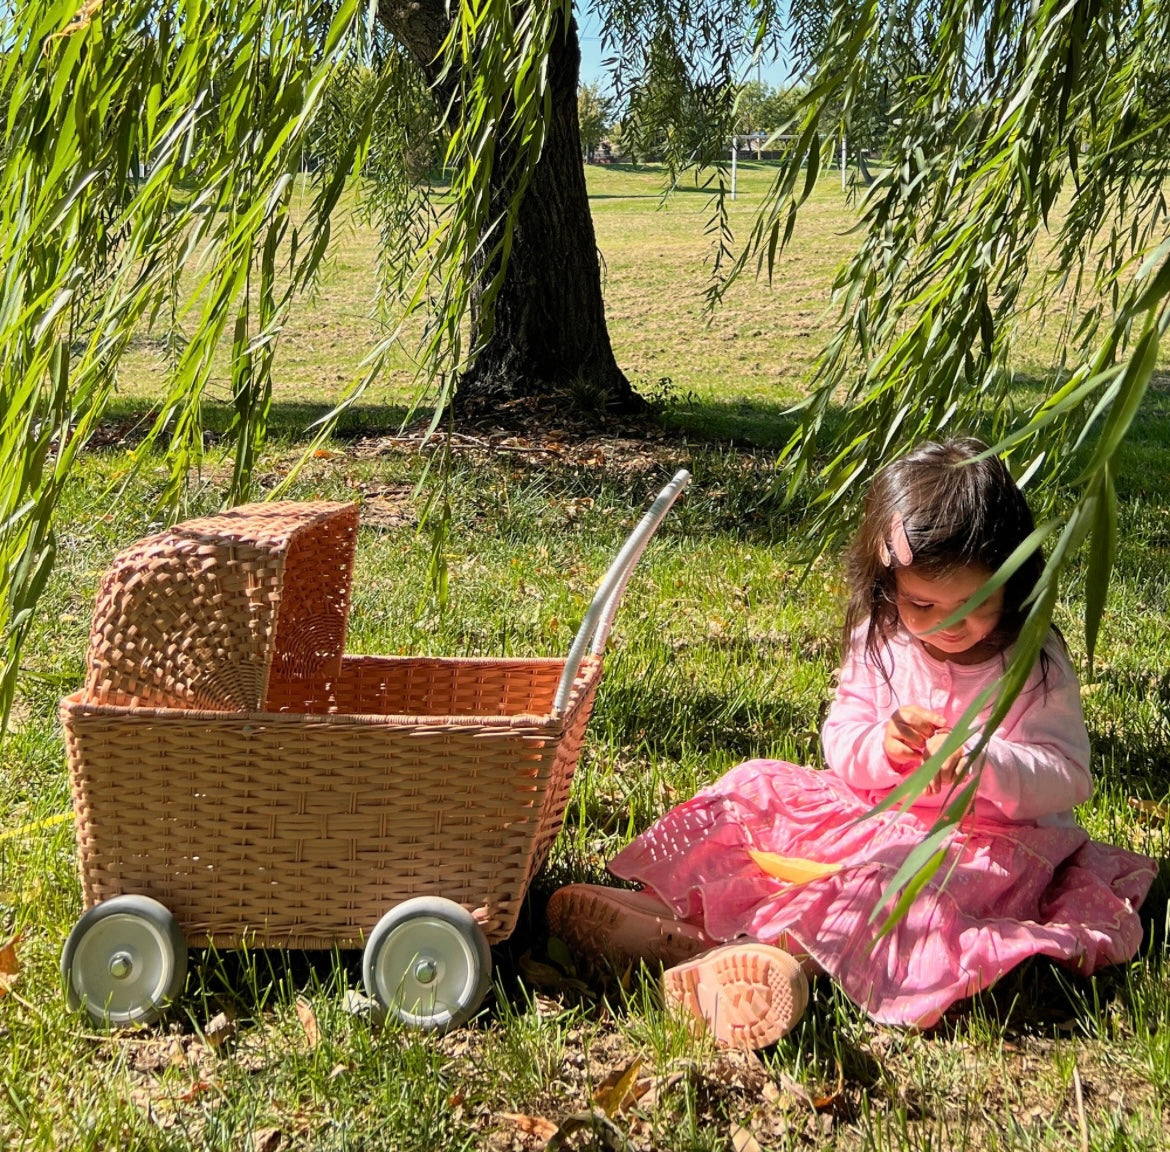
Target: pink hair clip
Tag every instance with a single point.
(898, 547)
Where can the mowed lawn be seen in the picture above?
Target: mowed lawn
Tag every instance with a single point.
(724, 648)
(657, 258)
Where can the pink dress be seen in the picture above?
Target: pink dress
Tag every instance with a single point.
(1021, 879)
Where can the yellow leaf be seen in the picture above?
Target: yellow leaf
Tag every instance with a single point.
(610, 1097)
(1150, 808)
(792, 869)
(36, 826)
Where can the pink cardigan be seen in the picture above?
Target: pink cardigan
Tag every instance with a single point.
(1035, 767)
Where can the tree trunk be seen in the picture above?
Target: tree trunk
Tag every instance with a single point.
(548, 335)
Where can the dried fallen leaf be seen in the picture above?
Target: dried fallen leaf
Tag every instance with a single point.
(533, 1125)
(541, 975)
(613, 1091)
(1151, 808)
(798, 1091)
(606, 1134)
(308, 1019)
(820, 1103)
(743, 1141)
(160, 1110)
(219, 1030)
(9, 965)
(151, 1058)
(196, 1089)
(1082, 1118)
(266, 1140)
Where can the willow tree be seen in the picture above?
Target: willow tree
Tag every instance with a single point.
(149, 137)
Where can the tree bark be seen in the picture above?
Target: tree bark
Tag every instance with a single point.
(547, 336)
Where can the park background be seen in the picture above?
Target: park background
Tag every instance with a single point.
(725, 648)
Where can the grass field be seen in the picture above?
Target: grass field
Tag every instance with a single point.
(720, 652)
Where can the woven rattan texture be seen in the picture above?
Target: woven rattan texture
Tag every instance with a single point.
(300, 829)
(200, 615)
(419, 686)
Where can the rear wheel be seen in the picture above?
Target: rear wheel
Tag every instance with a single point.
(427, 963)
(124, 961)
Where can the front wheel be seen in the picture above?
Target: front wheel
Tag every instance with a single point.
(427, 963)
(124, 961)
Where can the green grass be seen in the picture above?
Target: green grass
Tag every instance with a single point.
(719, 653)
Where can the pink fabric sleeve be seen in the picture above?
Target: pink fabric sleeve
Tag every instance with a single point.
(1037, 763)
(854, 729)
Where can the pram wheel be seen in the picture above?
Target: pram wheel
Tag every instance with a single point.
(125, 959)
(427, 962)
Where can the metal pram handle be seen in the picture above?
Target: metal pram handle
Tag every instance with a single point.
(599, 618)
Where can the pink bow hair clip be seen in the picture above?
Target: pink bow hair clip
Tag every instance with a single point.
(898, 546)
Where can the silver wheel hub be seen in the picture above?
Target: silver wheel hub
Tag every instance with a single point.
(121, 965)
(426, 971)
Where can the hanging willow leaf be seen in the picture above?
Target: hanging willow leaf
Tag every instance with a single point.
(1102, 552)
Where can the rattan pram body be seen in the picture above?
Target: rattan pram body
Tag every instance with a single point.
(228, 760)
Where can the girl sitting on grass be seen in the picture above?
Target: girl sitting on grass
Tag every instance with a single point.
(1020, 877)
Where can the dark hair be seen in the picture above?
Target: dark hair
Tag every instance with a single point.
(957, 510)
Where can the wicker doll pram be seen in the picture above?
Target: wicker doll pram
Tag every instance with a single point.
(237, 779)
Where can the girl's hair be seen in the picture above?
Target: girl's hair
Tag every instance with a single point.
(955, 511)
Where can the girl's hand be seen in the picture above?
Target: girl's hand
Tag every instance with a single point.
(907, 733)
(954, 767)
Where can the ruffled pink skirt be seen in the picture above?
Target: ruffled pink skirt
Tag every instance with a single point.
(1007, 891)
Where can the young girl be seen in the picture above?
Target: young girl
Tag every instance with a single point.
(1020, 878)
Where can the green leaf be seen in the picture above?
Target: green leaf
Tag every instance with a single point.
(905, 893)
(1102, 554)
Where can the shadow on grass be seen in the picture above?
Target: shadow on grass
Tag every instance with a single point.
(732, 448)
(244, 983)
(741, 727)
(625, 195)
(286, 421)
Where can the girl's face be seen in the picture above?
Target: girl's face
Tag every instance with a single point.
(924, 602)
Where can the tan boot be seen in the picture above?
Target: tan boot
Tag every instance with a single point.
(619, 926)
(747, 994)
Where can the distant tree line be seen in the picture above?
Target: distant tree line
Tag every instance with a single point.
(636, 130)
(673, 108)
